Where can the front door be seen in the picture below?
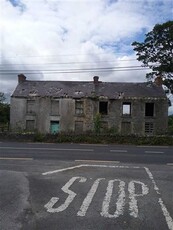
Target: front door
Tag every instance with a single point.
(54, 127)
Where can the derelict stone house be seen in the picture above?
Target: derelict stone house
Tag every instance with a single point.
(55, 106)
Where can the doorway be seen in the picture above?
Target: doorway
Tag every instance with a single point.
(54, 127)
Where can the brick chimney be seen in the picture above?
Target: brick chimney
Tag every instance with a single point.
(158, 81)
(96, 79)
(21, 78)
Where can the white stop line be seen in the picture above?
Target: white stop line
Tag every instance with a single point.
(120, 203)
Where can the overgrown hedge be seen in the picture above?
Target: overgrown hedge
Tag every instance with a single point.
(90, 138)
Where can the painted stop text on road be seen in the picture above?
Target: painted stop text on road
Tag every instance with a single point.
(120, 204)
(127, 192)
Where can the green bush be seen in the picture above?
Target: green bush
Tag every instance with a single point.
(39, 137)
(89, 138)
(170, 124)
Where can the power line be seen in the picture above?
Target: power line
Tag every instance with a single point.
(67, 63)
(75, 71)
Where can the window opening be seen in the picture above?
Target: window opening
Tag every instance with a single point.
(30, 125)
(79, 107)
(149, 128)
(54, 107)
(149, 109)
(103, 107)
(126, 109)
(126, 128)
(79, 126)
(30, 106)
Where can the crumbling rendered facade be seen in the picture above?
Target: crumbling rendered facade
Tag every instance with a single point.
(63, 106)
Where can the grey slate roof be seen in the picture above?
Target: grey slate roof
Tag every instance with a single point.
(79, 89)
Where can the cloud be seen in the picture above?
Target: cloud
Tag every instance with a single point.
(61, 40)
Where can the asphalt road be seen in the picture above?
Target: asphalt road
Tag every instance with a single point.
(68, 152)
(82, 187)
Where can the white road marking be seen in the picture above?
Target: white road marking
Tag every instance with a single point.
(169, 219)
(152, 146)
(133, 207)
(120, 202)
(16, 158)
(153, 152)
(88, 199)
(105, 206)
(118, 150)
(45, 149)
(94, 145)
(87, 165)
(61, 170)
(166, 214)
(170, 164)
(152, 179)
(70, 198)
(97, 161)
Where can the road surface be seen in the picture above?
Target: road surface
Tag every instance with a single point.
(82, 187)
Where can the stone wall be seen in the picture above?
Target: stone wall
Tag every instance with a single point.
(133, 123)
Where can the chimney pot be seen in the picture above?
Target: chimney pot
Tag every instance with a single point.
(158, 81)
(21, 78)
(96, 79)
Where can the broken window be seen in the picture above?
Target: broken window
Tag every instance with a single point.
(149, 109)
(126, 108)
(79, 107)
(30, 106)
(54, 107)
(30, 125)
(78, 126)
(103, 107)
(149, 128)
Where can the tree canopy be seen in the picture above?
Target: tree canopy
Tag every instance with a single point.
(156, 52)
(4, 109)
(2, 97)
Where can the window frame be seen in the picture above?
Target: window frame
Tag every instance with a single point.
(79, 107)
(30, 106)
(26, 125)
(53, 110)
(150, 129)
(129, 113)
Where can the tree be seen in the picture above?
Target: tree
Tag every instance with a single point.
(170, 124)
(97, 123)
(2, 97)
(4, 110)
(156, 52)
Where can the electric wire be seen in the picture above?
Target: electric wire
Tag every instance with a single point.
(78, 71)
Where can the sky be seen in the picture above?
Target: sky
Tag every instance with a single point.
(75, 40)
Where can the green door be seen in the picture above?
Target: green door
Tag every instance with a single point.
(54, 127)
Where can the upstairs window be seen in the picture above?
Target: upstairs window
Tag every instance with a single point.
(126, 108)
(30, 106)
(54, 107)
(149, 109)
(103, 107)
(79, 107)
